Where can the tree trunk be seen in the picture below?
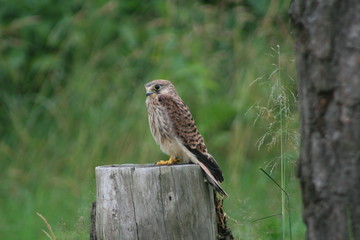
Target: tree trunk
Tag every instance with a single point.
(152, 202)
(327, 35)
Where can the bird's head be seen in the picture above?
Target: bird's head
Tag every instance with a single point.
(157, 87)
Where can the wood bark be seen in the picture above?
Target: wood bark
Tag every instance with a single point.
(152, 202)
(327, 39)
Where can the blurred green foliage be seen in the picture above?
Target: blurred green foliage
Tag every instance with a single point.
(72, 98)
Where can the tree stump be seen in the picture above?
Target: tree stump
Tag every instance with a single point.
(154, 202)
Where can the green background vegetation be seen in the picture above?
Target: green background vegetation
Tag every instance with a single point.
(72, 98)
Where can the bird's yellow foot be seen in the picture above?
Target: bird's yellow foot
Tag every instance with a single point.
(171, 161)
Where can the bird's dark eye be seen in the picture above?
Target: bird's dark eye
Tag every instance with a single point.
(157, 87)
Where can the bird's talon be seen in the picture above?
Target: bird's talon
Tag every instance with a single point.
(171, 161)
(162, 162)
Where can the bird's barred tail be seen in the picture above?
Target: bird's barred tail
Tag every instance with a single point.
(211, 168)
(209, 162)
(212, 180)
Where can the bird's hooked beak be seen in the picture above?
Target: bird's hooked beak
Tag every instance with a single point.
(148, 89)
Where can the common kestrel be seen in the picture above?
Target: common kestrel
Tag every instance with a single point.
(174, 129)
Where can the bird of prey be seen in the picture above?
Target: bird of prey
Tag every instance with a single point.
(174, 129)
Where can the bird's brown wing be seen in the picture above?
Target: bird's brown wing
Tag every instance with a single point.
(186, 130)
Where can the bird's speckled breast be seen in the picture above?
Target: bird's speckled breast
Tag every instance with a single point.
(161, 128)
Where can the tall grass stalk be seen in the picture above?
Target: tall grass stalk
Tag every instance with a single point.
(282, 161)
(277, 113)
(288, 205)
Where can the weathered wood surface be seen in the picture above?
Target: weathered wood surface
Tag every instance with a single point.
(154, 202)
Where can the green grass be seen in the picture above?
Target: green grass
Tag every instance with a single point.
(72, 98)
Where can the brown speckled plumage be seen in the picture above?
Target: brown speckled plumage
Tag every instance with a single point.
(174, 129)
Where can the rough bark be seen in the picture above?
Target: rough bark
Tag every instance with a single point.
(151, 202)
(327, 38)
